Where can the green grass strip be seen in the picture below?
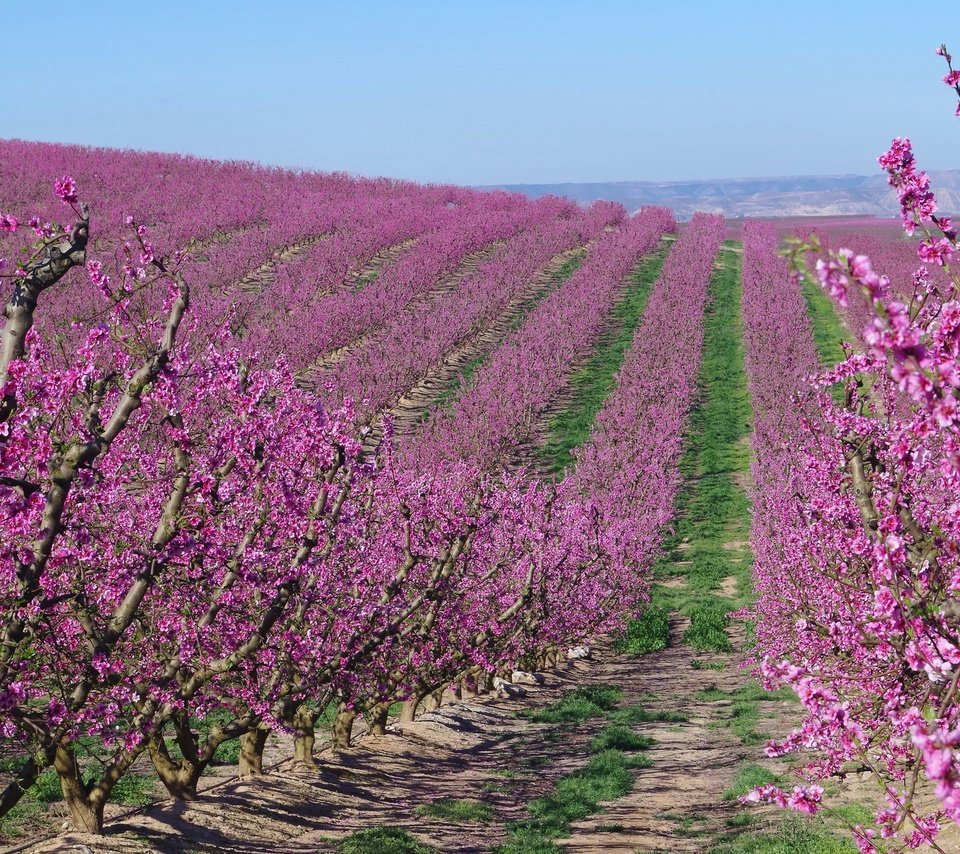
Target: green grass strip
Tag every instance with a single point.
(712, 509)
(382, 840)
(605, 778)
(649, 632)
(791, 835)
(829, 333)
(588, 701)
(457, 811)
(594, 382)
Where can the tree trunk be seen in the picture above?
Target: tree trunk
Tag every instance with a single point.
(433, 700)
(304, 737)
(408, 711)
(86, 813)
(23, 779)
(343, 728)
(378, 718)
(179, 778)
(251, 752)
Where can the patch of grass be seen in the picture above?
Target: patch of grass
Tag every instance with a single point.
(690, 825)
(712, 509)
(829, 333)
(576, 796)
(794, 835)
(698, 664)
(747, 779)
(638, 760)
(751, 691)
(649, 632)
(527, 840)
(594, 382)
(47, 788)
(640, 715)
(707, 631)
(15, 822)
(134, 789)
(605, 778)
(610, 828)
(588, 701)
(457, 811)
(382, 840)
(745, 709)
(367, 278)
(619, 737)
(854, 814)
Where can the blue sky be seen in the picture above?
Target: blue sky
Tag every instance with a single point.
(490, 92)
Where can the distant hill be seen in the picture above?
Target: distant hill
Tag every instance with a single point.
(807, 195)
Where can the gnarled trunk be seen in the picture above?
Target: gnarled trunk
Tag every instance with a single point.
(252, 744)
(86, 811)
(304, 737)
(408, 711)
(179, 777)
(433, 700)
(343, 728)
(378, 718)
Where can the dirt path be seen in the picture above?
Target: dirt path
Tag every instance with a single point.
(411, 407)
(263, 276)
(467, 267)
(461, 751)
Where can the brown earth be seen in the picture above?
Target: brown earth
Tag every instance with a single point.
(410, 408)
(460, 751)
(262, 277)
(467, 267)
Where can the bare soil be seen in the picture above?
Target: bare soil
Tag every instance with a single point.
(409, 409)
(461, 751)
(467, 267)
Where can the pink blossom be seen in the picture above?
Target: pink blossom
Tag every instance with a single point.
(65, 189)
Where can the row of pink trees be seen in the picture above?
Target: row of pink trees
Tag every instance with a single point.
(414, 341)
(185, 532)
(499, 408)
(629, 466)
(857, 522)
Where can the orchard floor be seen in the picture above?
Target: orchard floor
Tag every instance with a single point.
(483, 749)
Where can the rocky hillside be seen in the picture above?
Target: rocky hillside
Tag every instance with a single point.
(809, 195)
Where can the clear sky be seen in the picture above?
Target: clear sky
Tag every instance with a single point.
(501, 91)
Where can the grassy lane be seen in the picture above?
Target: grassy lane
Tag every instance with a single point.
(828, 329)
(705, 573)
(705, 568)
(597, 378)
